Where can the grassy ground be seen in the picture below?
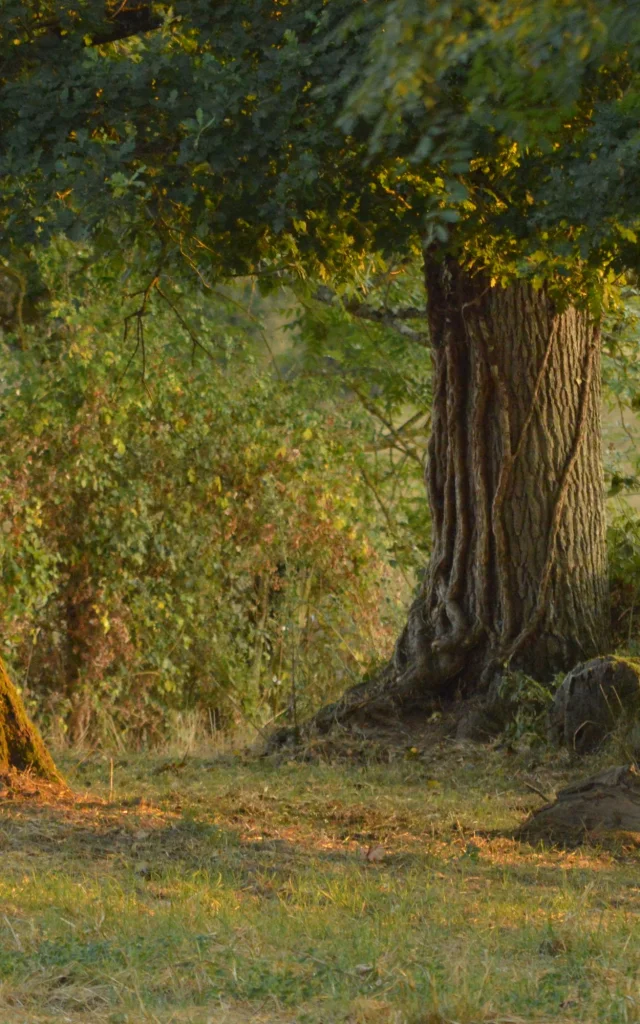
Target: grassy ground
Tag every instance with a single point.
(234, 889)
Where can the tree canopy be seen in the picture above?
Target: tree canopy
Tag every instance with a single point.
(306, 134)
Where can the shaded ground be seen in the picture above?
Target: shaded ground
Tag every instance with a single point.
(375, 891)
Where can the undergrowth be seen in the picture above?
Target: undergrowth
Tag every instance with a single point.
(195, 515)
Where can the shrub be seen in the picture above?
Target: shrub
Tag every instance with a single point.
(199, 536)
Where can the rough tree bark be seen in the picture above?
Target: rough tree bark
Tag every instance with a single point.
(518, 569)
(22, 749)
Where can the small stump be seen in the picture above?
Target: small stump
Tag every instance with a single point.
(607, 802)
(592, 700)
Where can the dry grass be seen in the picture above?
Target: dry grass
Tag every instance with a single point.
(234, 889)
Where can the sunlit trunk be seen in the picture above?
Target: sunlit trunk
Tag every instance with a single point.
(518, 569)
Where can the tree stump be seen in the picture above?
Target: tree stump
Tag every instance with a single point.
(592, 700)
(605, 803)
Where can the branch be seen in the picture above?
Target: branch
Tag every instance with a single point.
(395, 318)
(387, 440)
(390, 521)
(398, 441)
(123, 19)
(195, 341)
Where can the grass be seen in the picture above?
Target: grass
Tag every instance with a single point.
(234, 889)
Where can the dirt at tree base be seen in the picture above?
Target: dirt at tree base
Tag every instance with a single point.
(359, 729)
(606, 803)
(15, 785)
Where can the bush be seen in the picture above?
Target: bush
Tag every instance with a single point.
(197, 537)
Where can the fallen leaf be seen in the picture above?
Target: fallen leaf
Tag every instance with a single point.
(374, 854)
(364, 968)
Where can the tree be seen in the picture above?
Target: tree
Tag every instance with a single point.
(496, 141)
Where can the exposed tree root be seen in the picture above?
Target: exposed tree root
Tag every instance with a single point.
(379, 699)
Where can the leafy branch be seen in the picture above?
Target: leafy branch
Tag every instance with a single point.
(394, 318)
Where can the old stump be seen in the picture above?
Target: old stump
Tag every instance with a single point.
(592, 701)
(605, 803)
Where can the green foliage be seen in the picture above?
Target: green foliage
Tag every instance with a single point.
(526, 116)
(212, 534)
(621, 376)
(624, 564)
(353, 341)
(206, 133)
(525, 704)
(305, 136)
(621, 379)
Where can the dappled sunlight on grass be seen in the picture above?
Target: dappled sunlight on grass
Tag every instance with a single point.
(236, 888)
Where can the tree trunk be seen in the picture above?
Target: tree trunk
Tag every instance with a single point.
(22, 749)
(518, 570)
